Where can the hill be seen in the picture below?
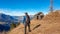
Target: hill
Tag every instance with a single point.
(7, 18)
(50, 24)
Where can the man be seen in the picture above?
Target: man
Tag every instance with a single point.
(26, 22)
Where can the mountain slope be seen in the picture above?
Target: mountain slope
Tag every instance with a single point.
(50, 24)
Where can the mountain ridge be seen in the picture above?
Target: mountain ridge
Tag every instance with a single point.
(50, 24)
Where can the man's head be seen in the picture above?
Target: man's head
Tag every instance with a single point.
(26, 13)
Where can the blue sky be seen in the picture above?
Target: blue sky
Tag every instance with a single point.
(19, 7)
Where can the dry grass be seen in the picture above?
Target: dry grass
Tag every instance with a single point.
(50, 24)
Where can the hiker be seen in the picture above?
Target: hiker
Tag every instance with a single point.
(37, 17)
(26, 22)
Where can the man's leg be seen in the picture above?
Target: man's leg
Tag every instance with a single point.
(29, 27)
(25, 28)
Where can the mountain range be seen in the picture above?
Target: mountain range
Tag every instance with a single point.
(7, 19)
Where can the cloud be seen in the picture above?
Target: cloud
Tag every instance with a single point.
(11, 12)
(19, 12)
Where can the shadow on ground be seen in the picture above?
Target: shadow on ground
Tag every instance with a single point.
(36, 26)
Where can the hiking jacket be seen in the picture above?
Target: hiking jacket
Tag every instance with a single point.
(26, 19)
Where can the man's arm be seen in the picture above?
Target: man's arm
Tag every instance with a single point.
(24, 19)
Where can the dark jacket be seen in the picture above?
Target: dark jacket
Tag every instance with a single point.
(26, 19)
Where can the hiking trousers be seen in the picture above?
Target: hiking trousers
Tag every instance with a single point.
(27, 25)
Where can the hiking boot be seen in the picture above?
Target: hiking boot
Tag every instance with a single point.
(29, 30)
